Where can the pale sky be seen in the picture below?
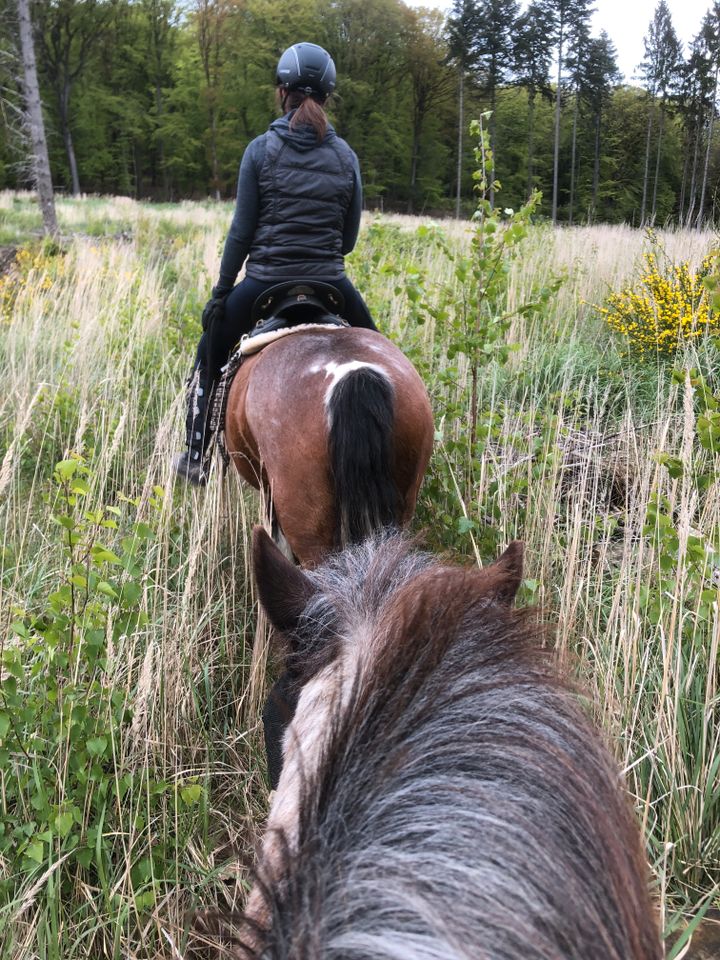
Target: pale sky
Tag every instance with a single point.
(626, 22)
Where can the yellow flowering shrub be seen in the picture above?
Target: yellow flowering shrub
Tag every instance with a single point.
(33, 266)
(670, 305)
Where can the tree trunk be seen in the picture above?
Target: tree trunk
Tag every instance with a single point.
(64, 111)
(596, 166)
(461, 124)
(33, 107)
(646, 172)
(556, 155)
(661, 124)
(531, 142)
(683, 182)
(161, 143)
(214, 154)
(137, 176)
(711, 125)
(573, 154)
(693, 178)
(417, 129)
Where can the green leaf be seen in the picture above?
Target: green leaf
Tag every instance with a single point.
(84, 857)
(66, 469)
(64, 521)
(4, 725)
(673, 465)
(64, 823)
(144, 531)
(97, 746)
(101, 554)
(105, 588)
(80, 486)
(191, 793)
(36, 851)
(146, 900)
(465, 524)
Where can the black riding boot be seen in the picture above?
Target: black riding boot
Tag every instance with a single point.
(193, 465)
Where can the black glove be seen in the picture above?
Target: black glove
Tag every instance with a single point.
(214, 309)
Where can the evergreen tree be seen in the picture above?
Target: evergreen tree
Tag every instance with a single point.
(567, 18)
(694, 101)
(660, 71)
(710, 40)
(497, 20)
(532, 57)
(601, 74)
(576, 62)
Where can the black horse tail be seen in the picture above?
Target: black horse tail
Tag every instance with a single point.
(362, 454)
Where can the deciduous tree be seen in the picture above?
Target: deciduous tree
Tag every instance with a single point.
(35, 122)
(462, 32)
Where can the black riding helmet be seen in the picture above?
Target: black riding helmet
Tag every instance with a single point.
(307, 67)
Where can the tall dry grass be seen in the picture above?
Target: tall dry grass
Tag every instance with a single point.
(93, 358)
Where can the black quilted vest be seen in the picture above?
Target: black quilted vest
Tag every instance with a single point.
(304, 197)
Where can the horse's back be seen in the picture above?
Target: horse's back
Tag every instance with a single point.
(279, 416)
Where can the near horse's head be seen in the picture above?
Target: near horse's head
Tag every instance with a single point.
(442, 794)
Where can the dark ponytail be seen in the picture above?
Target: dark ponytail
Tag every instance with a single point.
(308, 111)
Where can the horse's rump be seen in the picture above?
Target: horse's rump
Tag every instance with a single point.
(282, 408)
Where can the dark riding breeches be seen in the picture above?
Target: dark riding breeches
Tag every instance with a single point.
(215, 346)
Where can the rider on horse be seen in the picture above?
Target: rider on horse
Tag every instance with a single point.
(299, 200)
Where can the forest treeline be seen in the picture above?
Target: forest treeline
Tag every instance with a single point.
(158, 99)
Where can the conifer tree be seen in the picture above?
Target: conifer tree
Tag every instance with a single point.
(576, 61)
(660, 71)
(600, 75)
(694, 101)
(567, 16)
(497, 22)
(710, 34)
(462, 36)
(532, 57)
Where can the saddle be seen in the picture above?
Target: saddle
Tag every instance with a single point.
(293, 304)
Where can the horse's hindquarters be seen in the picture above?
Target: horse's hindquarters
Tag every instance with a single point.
(280, 414)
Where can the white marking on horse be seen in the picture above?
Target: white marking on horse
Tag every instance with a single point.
(339, 370)
(329, 690)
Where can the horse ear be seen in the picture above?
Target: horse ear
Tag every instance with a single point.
(283, 588)
(501, 580)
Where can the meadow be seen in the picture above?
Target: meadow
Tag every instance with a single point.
(132, 778)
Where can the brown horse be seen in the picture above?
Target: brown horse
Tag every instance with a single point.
(335, 425)
(442, 796)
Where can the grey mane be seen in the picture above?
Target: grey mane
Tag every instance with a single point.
(464, 808)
